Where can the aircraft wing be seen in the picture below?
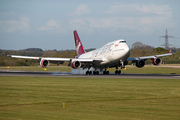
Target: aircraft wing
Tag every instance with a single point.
(148, 57)
(58, 60)
(26, 57)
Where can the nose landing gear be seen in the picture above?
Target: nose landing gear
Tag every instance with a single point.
(122, 66)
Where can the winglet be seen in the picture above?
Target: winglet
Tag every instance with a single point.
(7, 54)
(170, 51)
(79, 47)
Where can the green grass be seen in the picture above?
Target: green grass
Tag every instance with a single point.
(27, 98)
(38, 68)
(150, 70)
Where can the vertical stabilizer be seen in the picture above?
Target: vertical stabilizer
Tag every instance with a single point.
(78, 44)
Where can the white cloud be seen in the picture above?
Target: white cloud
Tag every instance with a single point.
(80, 25)
(140, 25)
(122, 9)
(13, 25)
(143, 19)
(151, 8)
(51, 25)
(81, 9)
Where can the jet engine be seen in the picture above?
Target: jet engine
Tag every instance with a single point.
(76, 64)
(156, 61)
(140, 63)
(44, 63)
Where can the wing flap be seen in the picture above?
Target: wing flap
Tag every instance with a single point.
(88, 59)
(57, 59)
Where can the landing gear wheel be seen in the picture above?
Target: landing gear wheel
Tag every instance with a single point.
(106, 72)
(96, 72)
(87, 72)
(118, 72)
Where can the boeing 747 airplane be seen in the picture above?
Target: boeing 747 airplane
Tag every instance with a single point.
(114, 54)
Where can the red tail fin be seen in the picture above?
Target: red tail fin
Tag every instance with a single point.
(79, 47)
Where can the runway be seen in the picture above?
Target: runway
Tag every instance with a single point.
(67, 74)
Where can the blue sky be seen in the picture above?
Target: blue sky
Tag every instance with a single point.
(49, 24)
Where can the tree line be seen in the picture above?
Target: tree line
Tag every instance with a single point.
(137, 49)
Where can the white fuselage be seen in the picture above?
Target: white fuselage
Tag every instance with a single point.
(110, 53)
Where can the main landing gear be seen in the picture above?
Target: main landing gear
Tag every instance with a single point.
(90, 72)
(120, 65)
(105, 72)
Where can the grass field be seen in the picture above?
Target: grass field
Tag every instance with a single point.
(130, 69)
(37, 68)
(38, 98)
(151, 70)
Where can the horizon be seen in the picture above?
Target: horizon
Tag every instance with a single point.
(86, 49)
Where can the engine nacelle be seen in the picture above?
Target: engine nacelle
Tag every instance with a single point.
(140, 63)
(44, 63)
(156, 61)
(76, 64)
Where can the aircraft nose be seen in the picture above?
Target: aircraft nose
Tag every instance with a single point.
(127, 49)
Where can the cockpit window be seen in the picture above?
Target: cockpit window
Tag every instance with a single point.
(122, 41)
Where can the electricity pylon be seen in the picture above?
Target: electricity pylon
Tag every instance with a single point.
(166, 43)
